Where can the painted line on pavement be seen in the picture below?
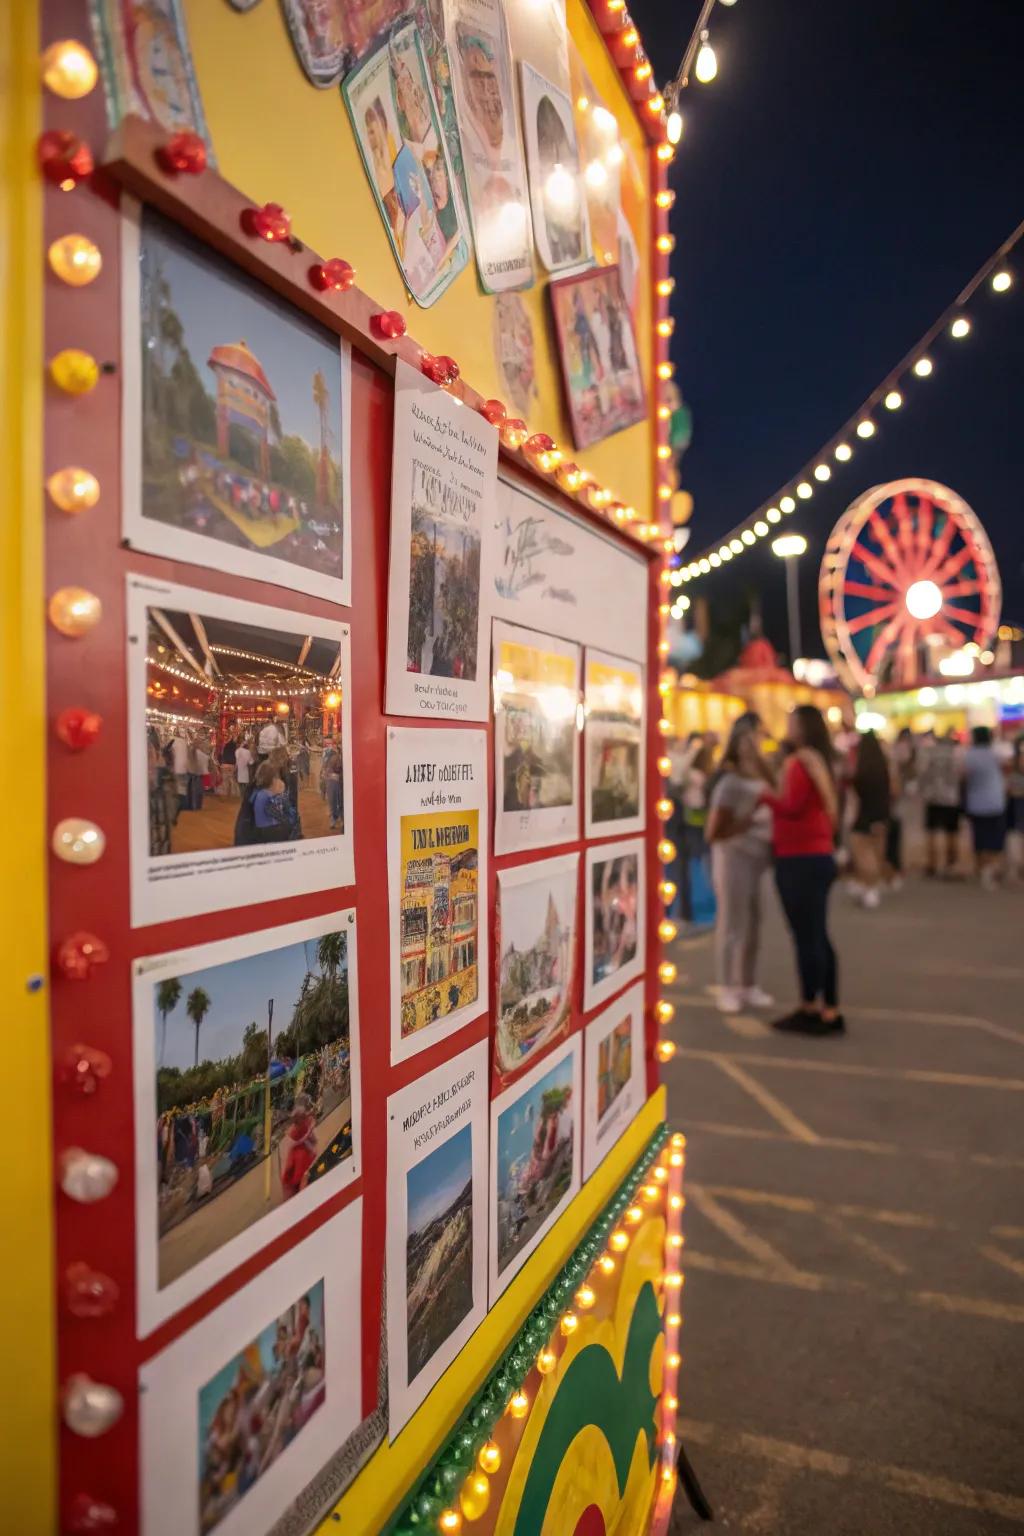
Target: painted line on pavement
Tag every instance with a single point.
(1007, 1260)
(846, 1144)
(801, 1203)
(849, 1069)
(731, 1226)
(769, 1103)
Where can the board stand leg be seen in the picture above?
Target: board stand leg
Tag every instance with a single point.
(688, 1478)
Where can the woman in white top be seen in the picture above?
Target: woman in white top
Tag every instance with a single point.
(739, 830)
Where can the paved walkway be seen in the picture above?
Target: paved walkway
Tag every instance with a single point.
(854, 1305)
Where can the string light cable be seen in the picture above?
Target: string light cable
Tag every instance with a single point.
(699, 60)
(889, 396)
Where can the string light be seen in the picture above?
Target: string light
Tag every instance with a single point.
(960, 328)
(923, 367)
(75, 259)
(1001, 280)
(519, 1405)
(73, 489)
(843, 452)
(706, 67)
(893, 400)
(822, 472)
(69, 69)
(866, 428)
(665, 1050)
(804, 490)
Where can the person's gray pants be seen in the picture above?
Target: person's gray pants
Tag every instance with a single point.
(736, 875)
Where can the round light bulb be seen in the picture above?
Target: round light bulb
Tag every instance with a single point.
(569, 1324)
(822, 472)
(69, 69)
(546, 1361)
(667, 891)
(893, 400)
(664, 1011)
(923, 367)
(736, 545)
(674, 127)
(865, 428)
(773, 515)
(75, 259)
(86, 1176)
(475, 1495)
(923, 600)
(706, 67)
(666, 930)
(73, 489)
(787, 504)
(519, 1405)
(74, 371)
(666, 851)
(1001, 280)
(960, 328)
(606, 1264)
(760, 528)
(449, 1521)
(90, 1408)
(843, 452)
(489, 1457)
(619, 1241)
(585, 1297)
(665, 1050)
(667, 972)
(805, 490)
(78, 841)
(74, 611)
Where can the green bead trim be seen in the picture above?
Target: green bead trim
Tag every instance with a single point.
(424, 1503)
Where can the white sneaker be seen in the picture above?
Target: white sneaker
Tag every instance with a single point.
(757, 997)
(854, 889)
(729, 1000)
(872, 897)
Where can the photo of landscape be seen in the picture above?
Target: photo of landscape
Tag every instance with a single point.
(537, 942)
(534, 1158)
(614, 1065)
(439, 1247)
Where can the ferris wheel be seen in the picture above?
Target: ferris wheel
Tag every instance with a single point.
(908, 576)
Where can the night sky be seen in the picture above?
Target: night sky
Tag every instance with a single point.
(838, 184)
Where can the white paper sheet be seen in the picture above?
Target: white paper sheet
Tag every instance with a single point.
(613, 1068)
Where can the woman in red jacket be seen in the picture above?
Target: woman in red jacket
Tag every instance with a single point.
(803, 839)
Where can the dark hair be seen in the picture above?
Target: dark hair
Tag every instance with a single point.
(704, 759)
(266, 773)
(750, 720)
(742, 728)
(814, 732)
(981, 736)
(871, 765)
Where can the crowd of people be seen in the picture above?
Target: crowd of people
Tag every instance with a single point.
(814, 807)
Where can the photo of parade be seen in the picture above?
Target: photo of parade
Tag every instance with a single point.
(536, 702)
(243, 734)
(257, 1403)
(600, 366)
(241, 432)
(439, 915)
(534, 1158)
(615, 896)
(253, 1098)
(439, 1247)
(537, 941)
(444, 578)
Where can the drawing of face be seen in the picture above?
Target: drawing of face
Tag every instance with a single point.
(377, 138)
(483, 89)
(411, 101)
(434, 166)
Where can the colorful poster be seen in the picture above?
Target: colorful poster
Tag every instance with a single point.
(394, 117)
(240, 752)
(443, 482)
(514, 350)
(614, 923)
(600, 365)
(235, 427)
(437, 884)
(537, 714)
(613, 745)
(429, 18)
(557, 197)
(146, 63)
(436, 1225)
(613, 1066)
(535, 1160)
(551, 572)
(479, 50)
(240, 1413)
(246, 1058)
(536, 924)
(329, 35)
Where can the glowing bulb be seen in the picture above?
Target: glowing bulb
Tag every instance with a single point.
(672, 1404)
(546, 1361)
(822, 472)
(69, 69)
(676, 1240)
(673, 1361)
(519, 1405)
(804, 490)
(660, 1175)
(449, 1520)
(706, 67)
(74, 371)
(664, 288)
(664, 451)
(760, 528)
(843, 452)
(1001, 280)
(664, 1011)
(667, 972)
(664, 765)
(656, 104)
(666, 244)
(666, 930)
(736, 545)
(665, 152)
(865, 428)
(630, 37)
(748, 536)
(893, 400)
(619, 1241)
(773, 515)
(570, 1322)
(489, 1457)
(665, 370)
(634, 1214)
(725, 553)
(923, 367)
(667, 891)
(674, 1320)
(960, 328)
(75, 259)
(714, 560)
(664, 727)
(923, 600)
(664, 809)
(787, 504)
(673, 1281)
(73, 489)
(666, 851)
(665, 1050)
(606, 1264)
(74, 611)
(585, 1297)
(665, 328)
(674, 127)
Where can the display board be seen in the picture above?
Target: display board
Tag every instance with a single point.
(352, 755)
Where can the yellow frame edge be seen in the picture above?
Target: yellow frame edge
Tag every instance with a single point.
(365, 1508)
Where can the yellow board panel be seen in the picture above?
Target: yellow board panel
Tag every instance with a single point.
(308, 161)
(365, 1508)
(28, 1426)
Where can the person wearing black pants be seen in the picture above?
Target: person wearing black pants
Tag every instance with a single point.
(803, 835)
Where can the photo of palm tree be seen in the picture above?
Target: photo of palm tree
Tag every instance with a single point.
(253, 1097)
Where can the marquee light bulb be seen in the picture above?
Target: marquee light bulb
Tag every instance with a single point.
(69, 69)
(893, 400)
(822, 472)
(519, 1405)
(665, 1050)
(666, 851)
(606, 1264)
(787, 504)
(664, 765)
(674, 127)
(736, 545)
(667, 891)
(449, 1520)
(843, 452)
(773, 515)
(73, 489)
(960, 328)
(1002, 280)
(619, 1241)
(569, 1323)
(664, 1011)
(75, 259)
(865, 428)
(585, 1297)
(546, 1361)
(760, 528)
(665, 152)
(805, 490)
(634, 1214)
(748, 536)
(666, 930)
(706, 67)
(923, 367)
(489, 1457)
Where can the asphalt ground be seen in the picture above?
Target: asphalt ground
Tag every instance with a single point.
(853, 1335)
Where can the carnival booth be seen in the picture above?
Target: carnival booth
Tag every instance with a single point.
(336, 443)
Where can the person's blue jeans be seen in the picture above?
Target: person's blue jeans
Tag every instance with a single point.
(333, 787)
(804, 881)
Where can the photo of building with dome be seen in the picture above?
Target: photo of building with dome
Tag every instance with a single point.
(242, 416)
(536, 947)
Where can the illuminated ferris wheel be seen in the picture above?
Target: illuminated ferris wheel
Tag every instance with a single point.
(907, 577)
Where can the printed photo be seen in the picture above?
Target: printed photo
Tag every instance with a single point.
(146, 62)
(391, 103)
(536, 707)
(614, 1067)
(613, 745)
(481, 58)
(439, 1248)
(615, 919)
(514, 351)
(600, 364)
(257, 1403)
(429, 18)
(440, 915)
(557, 197)
(444, 577)
(239, 458)
(536, 960)
(535, 1159)
(329, 37)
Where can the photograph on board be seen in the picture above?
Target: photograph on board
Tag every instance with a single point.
(391, 103)
(240, 752)
(329, 38)
(444, 476)
(536, 932)
(613, 1071)
(146, 63)
(613, 745)
(600, 365)
(560, 225)
(481, 59)
(436, 1229)
(236, 419)
(246, 1069)
(244, 1408)
(437, 880)
(536, 681)
(613, 949)
(257, 1403)
(535, 1159)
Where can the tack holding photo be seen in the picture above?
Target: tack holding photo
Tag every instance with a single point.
(240, 760)
(536, 921)
(247, 1098)
(614, 923)
(536, 725)
(236, 419)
